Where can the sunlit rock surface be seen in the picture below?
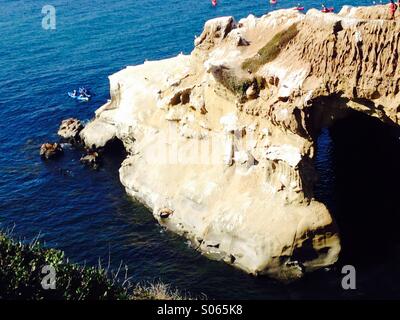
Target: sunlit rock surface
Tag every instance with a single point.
(223, 155)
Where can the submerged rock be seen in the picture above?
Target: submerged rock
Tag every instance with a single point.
(51, 150)
(91, 159)
(70, 129)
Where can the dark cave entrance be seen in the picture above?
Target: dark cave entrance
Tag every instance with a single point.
(114, 153)
(358, 161)
(116, 148)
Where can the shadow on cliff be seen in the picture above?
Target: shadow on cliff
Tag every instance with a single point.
(358, 160)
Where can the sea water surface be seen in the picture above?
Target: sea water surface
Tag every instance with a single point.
(85, 212)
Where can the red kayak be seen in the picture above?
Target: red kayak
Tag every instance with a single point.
(214, 3)
(326, 10)
(273, 1)
(299, 8)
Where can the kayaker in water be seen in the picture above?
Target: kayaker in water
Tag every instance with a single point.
(84, 92)
(74, 93)
(392, 9)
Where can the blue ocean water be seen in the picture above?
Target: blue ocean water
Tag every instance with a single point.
(87, 213)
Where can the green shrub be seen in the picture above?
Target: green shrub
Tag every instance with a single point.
(239, 85)
(271, 50)
(21, 276)
(234, 84)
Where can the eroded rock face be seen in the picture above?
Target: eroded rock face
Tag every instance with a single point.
(224, 156)
(97, 134)
(215, 31)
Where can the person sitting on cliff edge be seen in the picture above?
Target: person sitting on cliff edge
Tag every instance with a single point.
(392, 9)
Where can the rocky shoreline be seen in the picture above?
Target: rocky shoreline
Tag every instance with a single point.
(69, 132)
(221, 142)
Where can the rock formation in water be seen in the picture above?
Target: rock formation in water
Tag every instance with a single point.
(50, 150)
(91, 159)
(221, 142)
(69, 130)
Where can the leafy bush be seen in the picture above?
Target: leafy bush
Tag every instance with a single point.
(21, 276)
(234, 84)
(271, 50)
(239, 85)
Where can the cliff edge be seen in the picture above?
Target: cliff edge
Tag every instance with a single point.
(221, 142)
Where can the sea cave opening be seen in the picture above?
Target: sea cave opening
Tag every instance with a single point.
(114, 153)
(358, 162)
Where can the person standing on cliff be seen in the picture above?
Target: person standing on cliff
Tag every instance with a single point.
(392, 9)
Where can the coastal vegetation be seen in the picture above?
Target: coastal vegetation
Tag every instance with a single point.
(266, 54)
(271, 50)
(238, 85)
(234, 84)
(25, 270)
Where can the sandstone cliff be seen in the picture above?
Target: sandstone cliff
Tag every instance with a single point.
(221, 142)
